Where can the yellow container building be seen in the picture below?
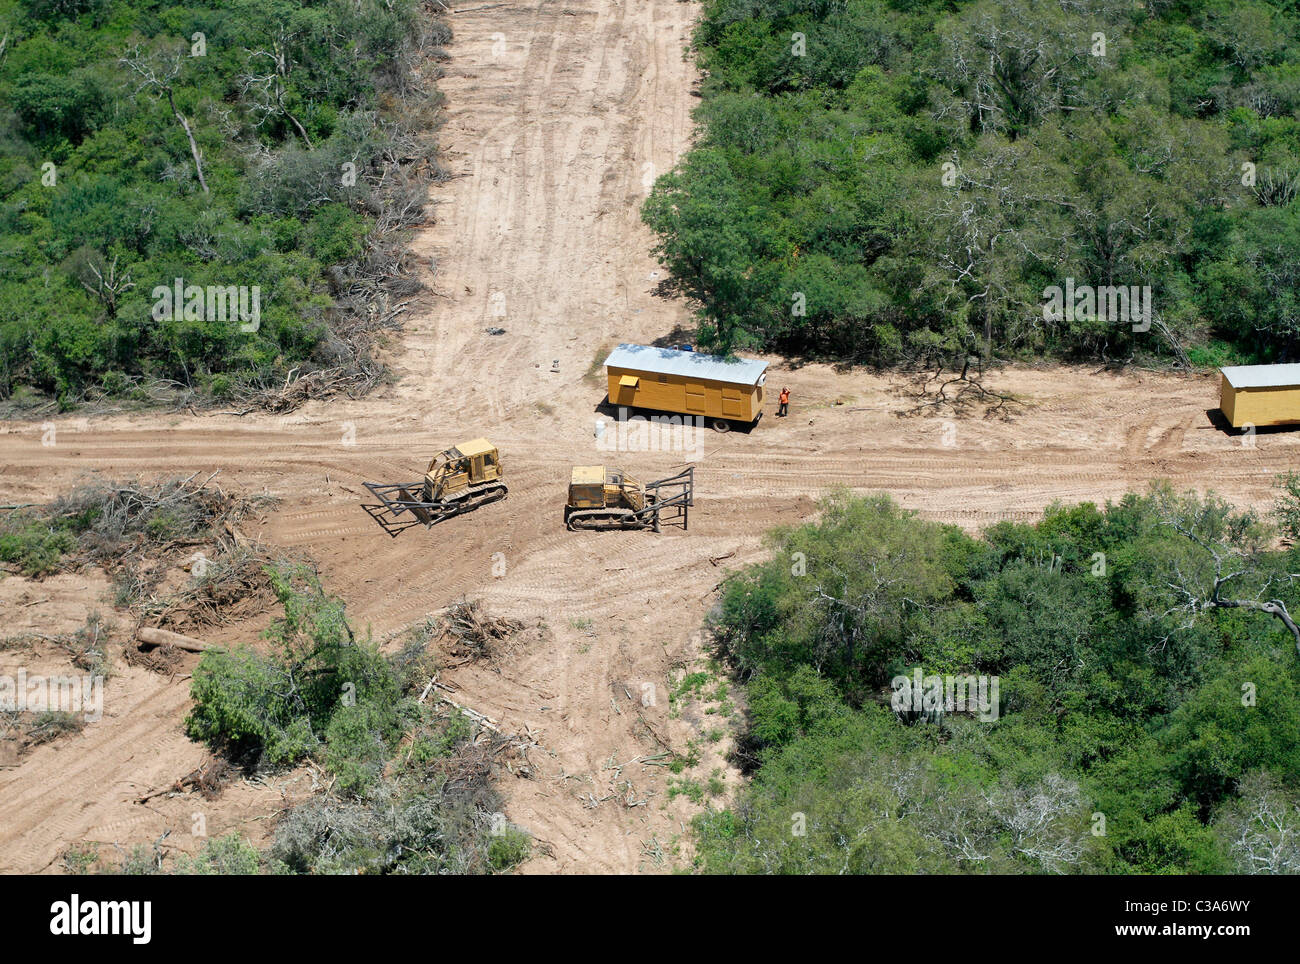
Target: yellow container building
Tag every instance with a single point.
(687, 382)
(1260, 395)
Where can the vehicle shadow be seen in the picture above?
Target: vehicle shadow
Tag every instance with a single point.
(613, 412)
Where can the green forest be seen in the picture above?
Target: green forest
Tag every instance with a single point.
(1146, 717)
(278, 146)
(893, 181)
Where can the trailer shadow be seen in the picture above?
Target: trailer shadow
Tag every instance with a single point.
(615, 413)
(1220, 422)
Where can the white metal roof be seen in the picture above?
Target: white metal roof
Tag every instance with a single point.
(1261, 376)
(670, 361)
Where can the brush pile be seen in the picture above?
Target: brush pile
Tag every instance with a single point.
(473, 634)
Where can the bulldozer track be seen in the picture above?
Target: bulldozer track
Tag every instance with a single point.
(590, 520)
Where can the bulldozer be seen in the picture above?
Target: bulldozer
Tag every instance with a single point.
(457, 481)
(601, 498)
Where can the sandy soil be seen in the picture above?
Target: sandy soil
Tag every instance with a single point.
(556, 132)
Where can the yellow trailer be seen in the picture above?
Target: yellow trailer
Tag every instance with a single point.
(687, 382)
(1260, 395)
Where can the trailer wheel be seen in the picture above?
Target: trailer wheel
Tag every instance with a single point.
(721, 425)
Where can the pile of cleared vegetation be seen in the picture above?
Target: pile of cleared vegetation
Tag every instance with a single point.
(410, 777)
(471, 634)
(136, 531)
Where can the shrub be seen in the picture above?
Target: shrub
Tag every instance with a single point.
(34, 546)
(509, 847)
(227, 856)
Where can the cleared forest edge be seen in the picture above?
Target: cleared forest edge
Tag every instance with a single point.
(552, 138)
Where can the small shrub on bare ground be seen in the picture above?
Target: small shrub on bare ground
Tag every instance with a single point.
(87, 650)
(52, 724)
(22, 731)
(228, 855)
(87, 647)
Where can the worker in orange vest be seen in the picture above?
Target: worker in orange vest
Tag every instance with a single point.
(784, 399)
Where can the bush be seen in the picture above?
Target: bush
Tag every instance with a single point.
(227, 856)
(324, 690)
(247, 701)
(35, 547)
(509, 847)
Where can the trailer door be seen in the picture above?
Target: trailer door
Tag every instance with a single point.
(695, 398)
(627, 386)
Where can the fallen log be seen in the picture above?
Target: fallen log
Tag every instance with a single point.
(165, 637)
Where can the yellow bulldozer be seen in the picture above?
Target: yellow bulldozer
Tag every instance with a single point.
(458, 480)
(601, 498)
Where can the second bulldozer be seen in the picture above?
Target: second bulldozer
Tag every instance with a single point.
(601, 498)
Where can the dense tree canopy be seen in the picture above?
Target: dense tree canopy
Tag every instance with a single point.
(892, 179)
(1135, 728)
(230, 144)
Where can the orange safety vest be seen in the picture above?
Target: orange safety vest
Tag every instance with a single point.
(785, 397)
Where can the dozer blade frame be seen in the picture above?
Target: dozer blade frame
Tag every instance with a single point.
(675, 493)
(397, 498)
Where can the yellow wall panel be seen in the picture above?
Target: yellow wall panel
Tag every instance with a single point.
(689, 396)
(1260, 406)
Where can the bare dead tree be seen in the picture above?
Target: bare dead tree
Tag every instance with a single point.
(106, 285)
(1231, 561)
(1172, 340)
(1037, 818)
(1262, 828)
(1038, 821)
(1010, 64)
(271, 88)
(159, 79)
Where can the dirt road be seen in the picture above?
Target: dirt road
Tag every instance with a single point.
(559, 116)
